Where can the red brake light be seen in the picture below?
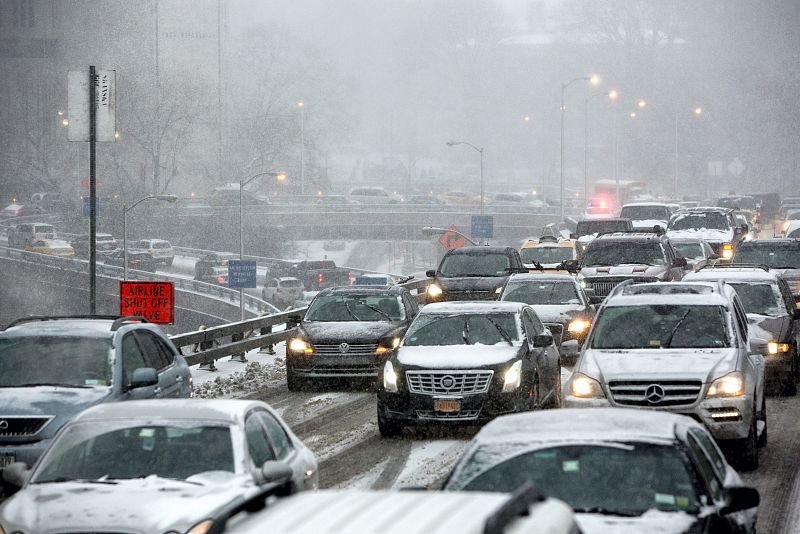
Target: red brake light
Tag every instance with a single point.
(350, 276)
(220, 279)
(320, 278)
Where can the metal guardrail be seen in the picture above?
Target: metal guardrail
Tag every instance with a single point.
(242, 336)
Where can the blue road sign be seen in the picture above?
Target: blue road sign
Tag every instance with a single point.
(482, 227)
(241, 273)
(86, 206)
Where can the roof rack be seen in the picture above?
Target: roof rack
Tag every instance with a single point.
(736, 266)
(517, 505)
(653, 231)
(118, 321)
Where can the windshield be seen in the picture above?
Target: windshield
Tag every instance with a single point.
(661, 326)
(331, 308)
(291, 283)
(775, 257)
(476, 264)
(690, 250)
(619, 253)
(464, 329)
(626, 478)
(66, 361)
(643, 213)
(533, 293)
(547, 254)
(599, 227)
(760, 298)
(124, 450)
(710, 220)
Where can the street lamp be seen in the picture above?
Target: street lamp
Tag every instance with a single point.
(594, 79)
(430, 231)
(125, 210)
(280, 176)
(612, 95)
(480, 151)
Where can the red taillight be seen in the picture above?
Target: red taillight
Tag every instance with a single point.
(320, 278)
(349, 276)
(220, 279)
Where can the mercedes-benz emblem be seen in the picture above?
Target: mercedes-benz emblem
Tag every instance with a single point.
(654, 394)
(448, 382)
(3, 424)
(344, 347)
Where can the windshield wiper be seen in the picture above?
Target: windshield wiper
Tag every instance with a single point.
(50, 384)
(78, 480)
(465, 332)
(607, 511)
(502, 333)
(668, 343)
(350, 311)
(376, 310)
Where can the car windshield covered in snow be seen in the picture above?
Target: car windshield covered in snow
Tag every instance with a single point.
(464, 329)
(761, 298)
(542, 293)
(116, 450)
(622, 252)
(769, 254)
(661, 326)
(330, 308)
(546, 254)
(612, 478)
(710, 220)
(475, 264)
(690, 250)
(55, 360)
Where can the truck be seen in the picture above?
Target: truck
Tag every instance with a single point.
(319, 274)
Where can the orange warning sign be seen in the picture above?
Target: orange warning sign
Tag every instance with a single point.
(155, 301)
(450, 239)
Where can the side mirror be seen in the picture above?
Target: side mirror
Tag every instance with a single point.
(144, 377)
(571, 266)
(273, 472)
(430, 273)
(740, 498)
(714, 257)
(679, 262)
(542, 340)
(796, 314)
(758, 345)
(15, 474)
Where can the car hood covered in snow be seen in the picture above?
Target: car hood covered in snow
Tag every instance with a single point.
(361, 332)
(708, 234)
(624, 270)
(456, 356)
(679, 364)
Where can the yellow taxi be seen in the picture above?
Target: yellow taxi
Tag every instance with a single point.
(548, 254)
(52, 247)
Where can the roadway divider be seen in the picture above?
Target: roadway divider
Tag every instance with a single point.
(264, 331)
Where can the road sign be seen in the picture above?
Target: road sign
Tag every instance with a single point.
(482, 227)
(87, 205)
(241, 273)
(715, 168)
(85, 183)
(78, 105)
(450, 239)
(155, 301)
(736, 167)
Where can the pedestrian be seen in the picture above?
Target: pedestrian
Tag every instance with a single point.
(203, 346)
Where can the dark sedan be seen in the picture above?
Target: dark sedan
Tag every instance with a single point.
(561, 305)
(467, 363)
(473, 273)
(136, 260)
(348, 332)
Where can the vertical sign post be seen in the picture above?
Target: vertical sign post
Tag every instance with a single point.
(92, 196)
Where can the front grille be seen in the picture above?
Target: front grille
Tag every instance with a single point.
(449, 382)
(351, 371)
(464, 415)
(647, 392)
(603, 286)
(13, 426)
(344, 349)
(557, 329)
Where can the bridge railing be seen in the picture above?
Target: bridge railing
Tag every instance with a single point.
(259, 332)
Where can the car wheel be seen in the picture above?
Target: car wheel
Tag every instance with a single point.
(747, 448)
(294, 382)
(762, 439)
(534, 392)
(387, 426)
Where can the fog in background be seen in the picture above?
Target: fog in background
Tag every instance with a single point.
(384, 86)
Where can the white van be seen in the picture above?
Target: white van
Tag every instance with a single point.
(26, 233)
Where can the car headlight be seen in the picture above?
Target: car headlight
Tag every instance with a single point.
(498, 290)
(202, 527)
(513, 377)
(387, 344)
(727, 251)
(774, 347)
(297, 344)
(389, 378)
(585, 387)
(434, 291)
(730, 385)
(578, 326)
(583, 283)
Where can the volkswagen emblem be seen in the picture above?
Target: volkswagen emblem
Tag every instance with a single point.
(3, 424)
(344, 348)
(448, 382)
(654, 394)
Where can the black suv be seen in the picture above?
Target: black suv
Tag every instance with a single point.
(52, 368)
(641, 256)
(473, 273)
(348, 332)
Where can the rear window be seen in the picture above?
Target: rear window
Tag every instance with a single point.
(291, 283)
(44, 228)
(479, 264)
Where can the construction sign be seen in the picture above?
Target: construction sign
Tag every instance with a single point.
(155, 301)
(452, 239)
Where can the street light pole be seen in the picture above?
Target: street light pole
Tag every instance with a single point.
(301, 105)
(594, 80)
(480, 151)
(125, 210)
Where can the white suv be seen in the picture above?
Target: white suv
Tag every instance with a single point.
(682, 347)
(158, 249)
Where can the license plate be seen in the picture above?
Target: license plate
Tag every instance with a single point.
(447, 405)
(6, 459)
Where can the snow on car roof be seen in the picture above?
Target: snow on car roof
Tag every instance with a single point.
(494, 306)
(659, 204)
(537, 277)
(732, 274)
(676, 298)
(221, 410)
(612, 424)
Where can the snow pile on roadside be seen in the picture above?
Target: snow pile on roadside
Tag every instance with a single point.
(255, 376)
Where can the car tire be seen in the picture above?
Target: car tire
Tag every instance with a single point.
(747, 449)
(534, 394)
(294, 382)
(388, 427)
(762, 439)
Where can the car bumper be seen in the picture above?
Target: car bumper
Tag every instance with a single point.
(725, 418)
(412, 408)
(22, 452)
(361, 366)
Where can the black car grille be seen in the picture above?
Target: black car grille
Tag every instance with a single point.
(604, 286)
(655, 394)
(344, 349)
(449, 382)
(557, 329)
(12, 426)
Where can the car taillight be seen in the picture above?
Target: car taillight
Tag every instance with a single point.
(320, 278)
(349, 276)
(220, 279)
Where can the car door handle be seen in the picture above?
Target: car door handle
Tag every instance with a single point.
(157, 390)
